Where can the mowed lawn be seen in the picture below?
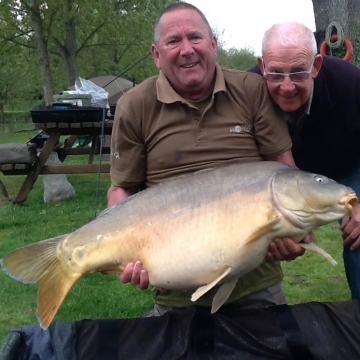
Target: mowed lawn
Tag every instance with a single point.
(308, 278)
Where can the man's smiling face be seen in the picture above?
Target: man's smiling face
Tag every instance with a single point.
(186, 53)
(290, 95)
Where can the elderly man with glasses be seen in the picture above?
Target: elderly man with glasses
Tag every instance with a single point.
(320, 96)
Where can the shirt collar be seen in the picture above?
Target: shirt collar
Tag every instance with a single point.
(167, 95)
(309, 102)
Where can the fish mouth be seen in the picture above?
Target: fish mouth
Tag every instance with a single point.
(349, 201)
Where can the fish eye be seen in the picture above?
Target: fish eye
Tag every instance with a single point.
(319, 179)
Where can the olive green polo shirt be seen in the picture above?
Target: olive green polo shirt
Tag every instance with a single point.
(157, 134)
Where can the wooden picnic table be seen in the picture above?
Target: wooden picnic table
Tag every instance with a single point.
(55, 130)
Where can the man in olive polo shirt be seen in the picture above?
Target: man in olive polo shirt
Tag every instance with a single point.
(192, 115)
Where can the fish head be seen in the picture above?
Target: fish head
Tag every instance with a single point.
(310, 200)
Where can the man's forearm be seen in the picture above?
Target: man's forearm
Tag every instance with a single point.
(285, 158)
(116, 194)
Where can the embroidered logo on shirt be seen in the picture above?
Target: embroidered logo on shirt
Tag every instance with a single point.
(115, 154)
(240, 128)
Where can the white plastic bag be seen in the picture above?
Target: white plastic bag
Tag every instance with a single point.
(56, 187)
(99, 96)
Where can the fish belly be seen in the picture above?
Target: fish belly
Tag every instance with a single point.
(195, 247)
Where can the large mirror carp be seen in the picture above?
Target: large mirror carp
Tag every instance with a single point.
(191, 232)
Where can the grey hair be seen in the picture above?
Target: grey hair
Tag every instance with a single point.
(177, 6)
(289, 33)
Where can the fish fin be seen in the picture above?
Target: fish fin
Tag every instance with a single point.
(204, 289)
(27, 264)
(54, 285)
(38, 264)
(262, 230)
(223, 294)
(313, 247)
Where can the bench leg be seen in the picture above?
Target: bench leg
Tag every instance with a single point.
(92, 152)
(69, 142)
(27, 185)
(33, 175)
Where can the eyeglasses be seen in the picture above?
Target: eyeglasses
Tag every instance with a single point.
(297, 76)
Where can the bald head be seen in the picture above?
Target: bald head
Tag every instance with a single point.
(179, 6)
(289, 34)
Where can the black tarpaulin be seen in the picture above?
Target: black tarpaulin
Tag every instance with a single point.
(326, 331)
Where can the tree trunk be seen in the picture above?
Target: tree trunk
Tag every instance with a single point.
(42, 51)
(346, 13)
(70, 44)
(68, 50)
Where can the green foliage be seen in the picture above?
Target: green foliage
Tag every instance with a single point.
(242, 59)
(17, 82)
(16, 116)
(123, 44)
(111, 38)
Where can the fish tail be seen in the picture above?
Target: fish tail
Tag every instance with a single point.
(38, 264)
(54, 285)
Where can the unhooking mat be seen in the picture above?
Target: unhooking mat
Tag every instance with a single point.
(310, 331)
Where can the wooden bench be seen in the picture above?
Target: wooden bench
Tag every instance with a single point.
(15, 169)
(55, 130)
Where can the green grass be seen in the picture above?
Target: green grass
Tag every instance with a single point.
(17, 132)
(308, 278)
(94, 296)
(311, 277)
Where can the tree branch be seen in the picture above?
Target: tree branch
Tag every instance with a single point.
(89, 37)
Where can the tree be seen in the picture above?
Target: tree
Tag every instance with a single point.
(346, 13)
(20, 82)
(242, 59)
(104, 32)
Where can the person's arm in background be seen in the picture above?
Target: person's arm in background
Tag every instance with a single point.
(350, 228)
(285, 158)
(350, 225)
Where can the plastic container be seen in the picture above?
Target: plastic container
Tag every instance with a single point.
(73, 99)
